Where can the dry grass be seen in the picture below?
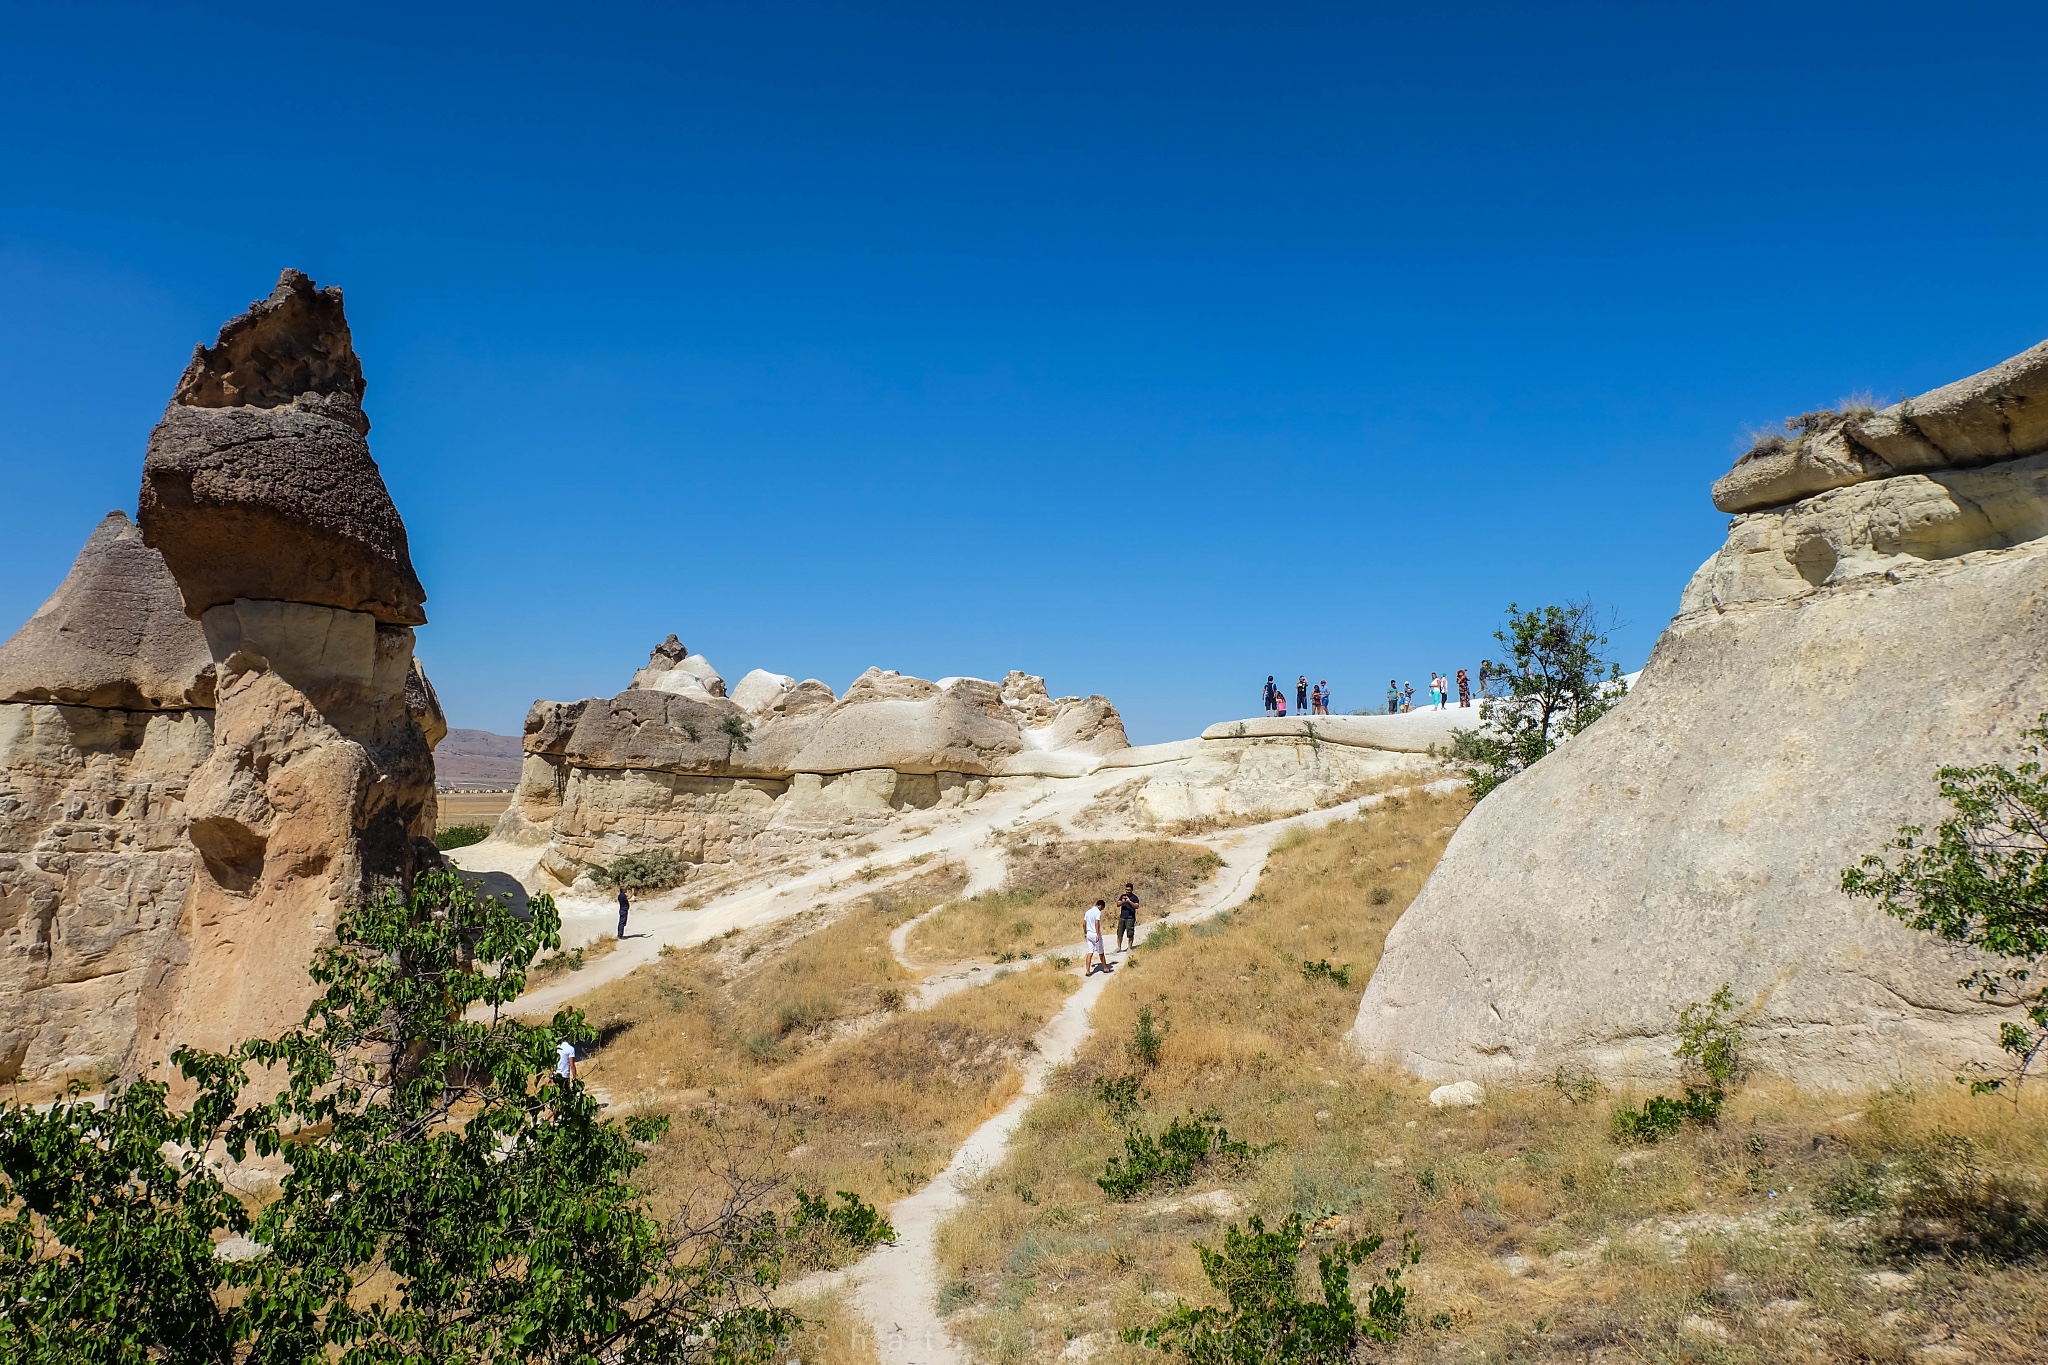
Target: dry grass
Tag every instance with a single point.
(1542, 1238)
(1049, 886)
(791, 1047)
(469, 808)
(560, 964)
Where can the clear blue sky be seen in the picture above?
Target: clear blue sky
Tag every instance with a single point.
(1152, 349)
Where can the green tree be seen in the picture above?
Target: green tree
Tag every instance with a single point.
(1981, 880)
(443, 1196)
(1556, 685)
(1265, 1319)
(736, 730)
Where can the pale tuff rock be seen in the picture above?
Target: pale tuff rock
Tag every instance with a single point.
(1458, 1095)
(259, 483)
(113, 635)
(2000, 414)
(760, 690)
(1823, 665)
(672, 668)
(94, 868)
(660, 763)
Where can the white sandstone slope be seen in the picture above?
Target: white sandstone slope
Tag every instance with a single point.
(1838, 649)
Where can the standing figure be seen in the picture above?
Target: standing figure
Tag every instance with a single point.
(1301, 695)
(1127, 919)
(1271, 692)
(624, 901)
(1464, 688)
(1091, 934)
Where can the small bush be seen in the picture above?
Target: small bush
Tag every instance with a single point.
(1947, 1201)
(1321, 970)
(1148, 1038)
(836, 1235)
(1851, 1191)
(1709, 1042)
(654, 870)
(1165, 936)
(1171, 1158)
(1382, 894)
(1120, 1095)
(460, 836)
(1661, 1116)
(1266, 1320)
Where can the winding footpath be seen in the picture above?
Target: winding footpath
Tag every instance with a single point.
(896, 1286)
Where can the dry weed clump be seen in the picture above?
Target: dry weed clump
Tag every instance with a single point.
(1788, 1232)
(1050, 884)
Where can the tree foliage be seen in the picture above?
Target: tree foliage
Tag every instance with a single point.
(1265, 1319)
(1553, 684)
(442, 1196)
(1981, 880)
(648, 870)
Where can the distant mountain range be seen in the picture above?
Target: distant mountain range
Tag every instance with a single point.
(477, 758)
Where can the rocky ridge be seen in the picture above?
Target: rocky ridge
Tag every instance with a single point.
(1867, 621)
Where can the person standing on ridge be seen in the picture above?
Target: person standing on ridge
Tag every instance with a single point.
(1127, 919)
(1272, 691)
(1091, 934)
(624, 901)
(1393, 697)
(1301, 695)
(1407, 697)
(1464, 688)
(1326, 696)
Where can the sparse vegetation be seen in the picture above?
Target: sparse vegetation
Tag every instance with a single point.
(1982, 880)
(1050, 884)
(1544, 1240)
(460, 836)
(1319, 969)
(1171, 1158)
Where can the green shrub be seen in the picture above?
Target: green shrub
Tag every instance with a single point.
(460, 836)
(1120, 1095)
(1709, 1040)
(1266, 1322)
(1660, 1116)
(838, 1234)
(1171, 1158)
(1148, 1038)
(1855, 1189)
(654, 870)
(1321, 970)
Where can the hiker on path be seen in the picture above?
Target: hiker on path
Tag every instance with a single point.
(1464, 688)
(1271, 692)
(1301, 695)
(1091, 932)
(1127, 919)
(624, 901)
(565, 1060)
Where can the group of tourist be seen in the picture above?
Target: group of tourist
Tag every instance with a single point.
(1401, 696)
(1308, 700)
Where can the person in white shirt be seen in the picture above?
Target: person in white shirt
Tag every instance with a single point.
(565, 1060)
(1091, 929)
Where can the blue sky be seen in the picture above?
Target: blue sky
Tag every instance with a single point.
(1151, 349)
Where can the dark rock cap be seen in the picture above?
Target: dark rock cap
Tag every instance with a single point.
(114, 634)
(259, 482)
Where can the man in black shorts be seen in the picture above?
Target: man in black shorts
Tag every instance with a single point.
(1127, 919)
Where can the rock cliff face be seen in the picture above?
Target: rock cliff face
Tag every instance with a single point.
(1845, 642)
(106, 711)
(214, 735)
(672, 762)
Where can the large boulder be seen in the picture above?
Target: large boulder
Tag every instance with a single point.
(258, 482)
(1823, 664)
(114, 634)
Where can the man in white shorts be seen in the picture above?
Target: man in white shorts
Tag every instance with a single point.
(1091, 929)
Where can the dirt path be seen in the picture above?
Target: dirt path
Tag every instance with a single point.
(896, 1287)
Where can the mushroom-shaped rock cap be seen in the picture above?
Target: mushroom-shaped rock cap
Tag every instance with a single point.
(114, 634)
(259, 482)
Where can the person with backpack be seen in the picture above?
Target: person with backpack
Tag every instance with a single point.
(1272, 691)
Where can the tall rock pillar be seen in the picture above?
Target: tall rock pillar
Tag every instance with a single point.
(260, 493)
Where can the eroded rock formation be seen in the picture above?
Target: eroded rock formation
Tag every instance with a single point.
(1853, 635)
(214, 735)
(672, 762)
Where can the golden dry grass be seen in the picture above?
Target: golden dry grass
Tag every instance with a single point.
(1047, 888)
(470, 808)
(1542, 1238)
(789, 1046)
